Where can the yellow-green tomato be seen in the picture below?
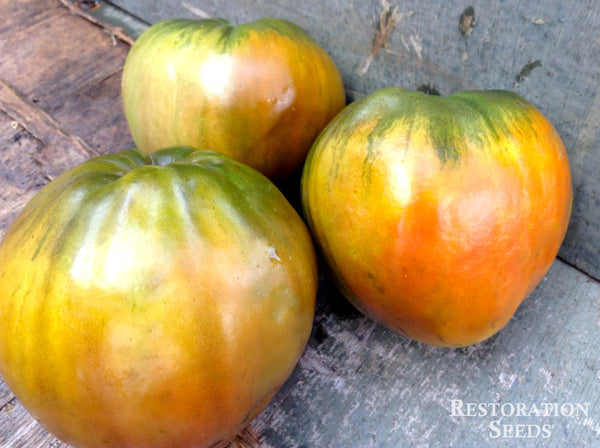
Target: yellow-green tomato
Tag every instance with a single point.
(259, 92)
(438, 216)
(154, 300)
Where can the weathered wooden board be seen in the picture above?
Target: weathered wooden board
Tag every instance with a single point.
(357, 384)
(547, 51)
(360, 385)
(59, 105)
(51, 83)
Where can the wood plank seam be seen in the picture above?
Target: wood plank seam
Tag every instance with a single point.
(591, 277)
(93, 82)
(10, 403)
(37, 121)
(115, 31)
(125, 12)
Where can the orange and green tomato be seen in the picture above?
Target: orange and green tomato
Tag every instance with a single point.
(260, 92)
(154, 300)
(438, 216)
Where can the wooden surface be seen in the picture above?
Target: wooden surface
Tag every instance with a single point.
(548, 51)
(357, 384)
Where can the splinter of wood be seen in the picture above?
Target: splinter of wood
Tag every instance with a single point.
(388, 19)
(115, 31)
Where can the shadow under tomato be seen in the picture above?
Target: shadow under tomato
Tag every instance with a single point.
(290, 187)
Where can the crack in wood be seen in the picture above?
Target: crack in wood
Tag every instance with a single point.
(37, 121)
(114, 31)
(592, 278)
(10, 404)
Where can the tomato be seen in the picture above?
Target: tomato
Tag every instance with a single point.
(260, 92)
(438, 216)
(154, 300)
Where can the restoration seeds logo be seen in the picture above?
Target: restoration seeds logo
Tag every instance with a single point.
(518, 420)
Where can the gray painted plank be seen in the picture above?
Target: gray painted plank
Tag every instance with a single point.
(428, 48)
(360, 385)
(6, 395)
(18, 429)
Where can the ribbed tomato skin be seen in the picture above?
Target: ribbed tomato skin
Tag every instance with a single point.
(438, 216)
(259, 92)
(154, 300)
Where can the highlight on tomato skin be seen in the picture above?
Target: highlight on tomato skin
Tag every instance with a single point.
(438, 216)
(259, 92)
(140, 295)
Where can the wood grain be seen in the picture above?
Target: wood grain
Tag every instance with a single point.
(81, 55)
(22, 173)
(61, 148)
(19, 429)
(6, 396)
(116, 31)
(75, 88)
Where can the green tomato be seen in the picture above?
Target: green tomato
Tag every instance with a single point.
(154, 300)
